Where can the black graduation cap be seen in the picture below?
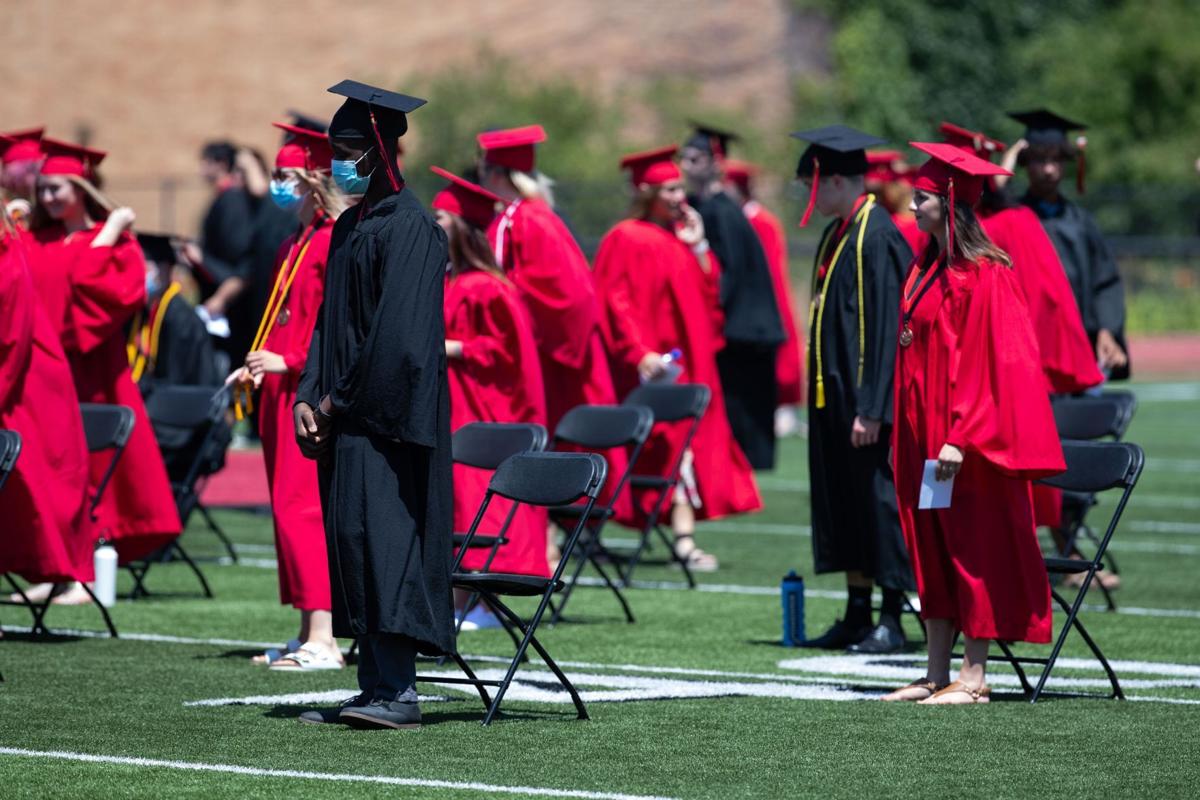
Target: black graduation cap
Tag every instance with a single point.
(159, 248)
(1044, 127)
(302, 120)
(369, 107)
(835, 150)
(713, 141)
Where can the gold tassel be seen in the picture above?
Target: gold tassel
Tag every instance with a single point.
(820, 392)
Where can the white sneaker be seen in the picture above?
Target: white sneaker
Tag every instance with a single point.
(480, 618)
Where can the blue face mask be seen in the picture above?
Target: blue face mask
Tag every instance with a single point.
(345, 175)
(284, 194)
(153, 283)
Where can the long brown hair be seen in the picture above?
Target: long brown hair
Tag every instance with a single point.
(971, 242)
(96, 204)
(470, 250)
(643, 201)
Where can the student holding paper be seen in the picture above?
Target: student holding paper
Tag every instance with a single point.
(970, 395)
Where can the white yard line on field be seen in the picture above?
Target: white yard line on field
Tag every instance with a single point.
(333, 777)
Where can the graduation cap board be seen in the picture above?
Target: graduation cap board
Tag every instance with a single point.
(708, 139)
(465, 199)
(512, 147)
(975, 142)
(159, 248)
(22, 145)
(652, 167)
(64, 158)
(372, 113)
(832, 150)
(1044, 128)
(955, 174)
(887, 166)
(304, 149)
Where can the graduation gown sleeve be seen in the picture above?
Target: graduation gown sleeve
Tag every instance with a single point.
(185, 351)
(999, 408)
(1108, 293)
(391, 385)
(617, 261)
(885, 259)
(108, 287)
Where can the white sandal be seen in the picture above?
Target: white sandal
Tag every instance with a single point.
(308, 658)
(697, 560)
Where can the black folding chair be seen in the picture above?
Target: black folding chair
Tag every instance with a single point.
(1089, 418)
(191, 421)
(671, 404)
(10, 450)
(1091, 467)
(535, 479)
(486, 445)
(598, 428)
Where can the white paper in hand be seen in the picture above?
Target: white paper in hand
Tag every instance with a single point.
(934, 493)
(216, 326)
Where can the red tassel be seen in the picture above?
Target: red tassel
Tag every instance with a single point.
(1080, 166)
(812, 194)
(383, 154)
(950, 232)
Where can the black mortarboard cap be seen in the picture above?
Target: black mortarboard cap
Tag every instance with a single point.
(159, 248)
(302, 120)
(713, 141)
(353, 119)
(1044, 127)
(840, 150)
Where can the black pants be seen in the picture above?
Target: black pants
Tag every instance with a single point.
(748, 380)
(387, 665)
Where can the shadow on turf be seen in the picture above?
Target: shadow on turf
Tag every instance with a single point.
(435, 717)
(51, 638)
(911, 647)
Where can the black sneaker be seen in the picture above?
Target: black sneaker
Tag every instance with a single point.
(333, 715)
(882, 640)
(403, 712)
(838, 637)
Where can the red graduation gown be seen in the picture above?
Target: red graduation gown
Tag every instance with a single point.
(90, 294)
(658, 298)
(1067, 358)
(789, 376)
(972, 378)
(47, 531)
(498, 379)
(292, 478)
(551, 274)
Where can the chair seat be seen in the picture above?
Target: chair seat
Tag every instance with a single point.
(1067, 566)
(503, 583)
(575, 512)
(650, 482)
(480, 540)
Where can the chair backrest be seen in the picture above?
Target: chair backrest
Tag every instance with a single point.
(1127, 400)
(1098, 466)
(605, 427)
(486, 445)
(185, 406)
(671, 402)
(549, 479)
(106, 427)
(10, 448)
(1094, 416)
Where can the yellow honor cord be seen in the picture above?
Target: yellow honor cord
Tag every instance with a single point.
(817, 306)
(141, 357)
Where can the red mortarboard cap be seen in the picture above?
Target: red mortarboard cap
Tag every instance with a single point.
(653, 167)
(468, 200)
(955, 174)
(887, 166)
(64, 158)
(23, 145)
(304, 149)
(975, 142)
(512, 147)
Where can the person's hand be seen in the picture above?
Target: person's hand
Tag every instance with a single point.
(215, 306)
(262, 362)
(454, 348)
(192, 254)
(864, 432)
(651, 366)
(238, 376)
(119, 220)
(312, 431)
(691, 232)
(950, 461)
(1108, 352)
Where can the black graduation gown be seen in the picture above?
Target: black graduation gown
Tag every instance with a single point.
(378, 351)
(1090, 267)
(855, 522)
(185, 351)
(753, 329)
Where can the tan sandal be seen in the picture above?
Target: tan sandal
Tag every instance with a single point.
(912, 692)
(696, 559)
(941, 696)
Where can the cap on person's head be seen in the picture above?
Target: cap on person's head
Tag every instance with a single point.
(1045, 129)
(302, 120)
(887, 166)
(304, 149)
(976, 142)
(158, 247)
(512, 147)
(22, 145)
(468, 200)
(955, 174)
(652, 167)
(741, 173)
(64, 158)
(832, 150)
(708, 139)
(372, 114)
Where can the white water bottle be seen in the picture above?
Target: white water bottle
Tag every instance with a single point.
(105, 560)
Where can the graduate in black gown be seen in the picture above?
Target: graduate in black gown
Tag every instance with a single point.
(373, 409)
(753, 329)
(860, 268)
(1044, 151)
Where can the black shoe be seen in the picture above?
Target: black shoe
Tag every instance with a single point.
(880, 641)
(333, 715)
(838, 637)
(403, 712)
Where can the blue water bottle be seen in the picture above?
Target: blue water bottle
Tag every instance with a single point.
(791, 590)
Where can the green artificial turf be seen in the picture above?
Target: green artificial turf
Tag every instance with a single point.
(125, 697)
